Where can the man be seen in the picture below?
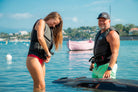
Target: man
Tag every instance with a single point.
(106, 49)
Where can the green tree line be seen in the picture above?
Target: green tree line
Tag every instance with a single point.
(6, 36)
(81, 33)
(87, 32)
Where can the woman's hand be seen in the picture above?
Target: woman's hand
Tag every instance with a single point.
(48, 58)
(91, 67)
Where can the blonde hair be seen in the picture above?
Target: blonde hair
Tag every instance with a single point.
(57, 30)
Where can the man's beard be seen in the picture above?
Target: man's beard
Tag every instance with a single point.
(103, 28)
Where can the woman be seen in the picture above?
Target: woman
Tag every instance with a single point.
(45, 33)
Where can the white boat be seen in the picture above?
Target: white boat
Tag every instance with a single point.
(80, 45)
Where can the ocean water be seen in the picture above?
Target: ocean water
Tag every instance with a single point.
(14, 76)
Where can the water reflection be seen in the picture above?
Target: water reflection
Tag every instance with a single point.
(80, 55)
(41, 90)
(79, 60)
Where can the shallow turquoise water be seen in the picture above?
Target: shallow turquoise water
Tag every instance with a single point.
(14, 76)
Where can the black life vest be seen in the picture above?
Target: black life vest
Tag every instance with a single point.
(102, 51)
(35, 47)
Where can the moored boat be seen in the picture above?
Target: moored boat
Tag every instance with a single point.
(80, 45)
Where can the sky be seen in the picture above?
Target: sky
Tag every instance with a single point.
(20, 15)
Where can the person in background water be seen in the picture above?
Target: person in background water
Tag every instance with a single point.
(106, 49)
(45, 33)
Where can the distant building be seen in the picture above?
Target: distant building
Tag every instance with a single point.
(16, 33)
(11, 34)
(1, 39)
(13, 38)
(88, 31)
(23, 33)
(133, 30)
(64, 33)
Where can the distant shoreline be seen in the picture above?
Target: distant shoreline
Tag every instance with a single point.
(129, 38)
(14, 40)
(66, 39)
(121, 38)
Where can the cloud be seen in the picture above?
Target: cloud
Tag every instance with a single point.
(21, 15)
(118, 21)
(97, 2)
(100, 9)
(1, 15)
(74, 19)
(101, 2)
(99, 5)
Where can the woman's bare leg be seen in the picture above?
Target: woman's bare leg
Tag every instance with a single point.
(43, 67)
(36, 72)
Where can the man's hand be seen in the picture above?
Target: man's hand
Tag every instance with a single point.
(107, 74)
